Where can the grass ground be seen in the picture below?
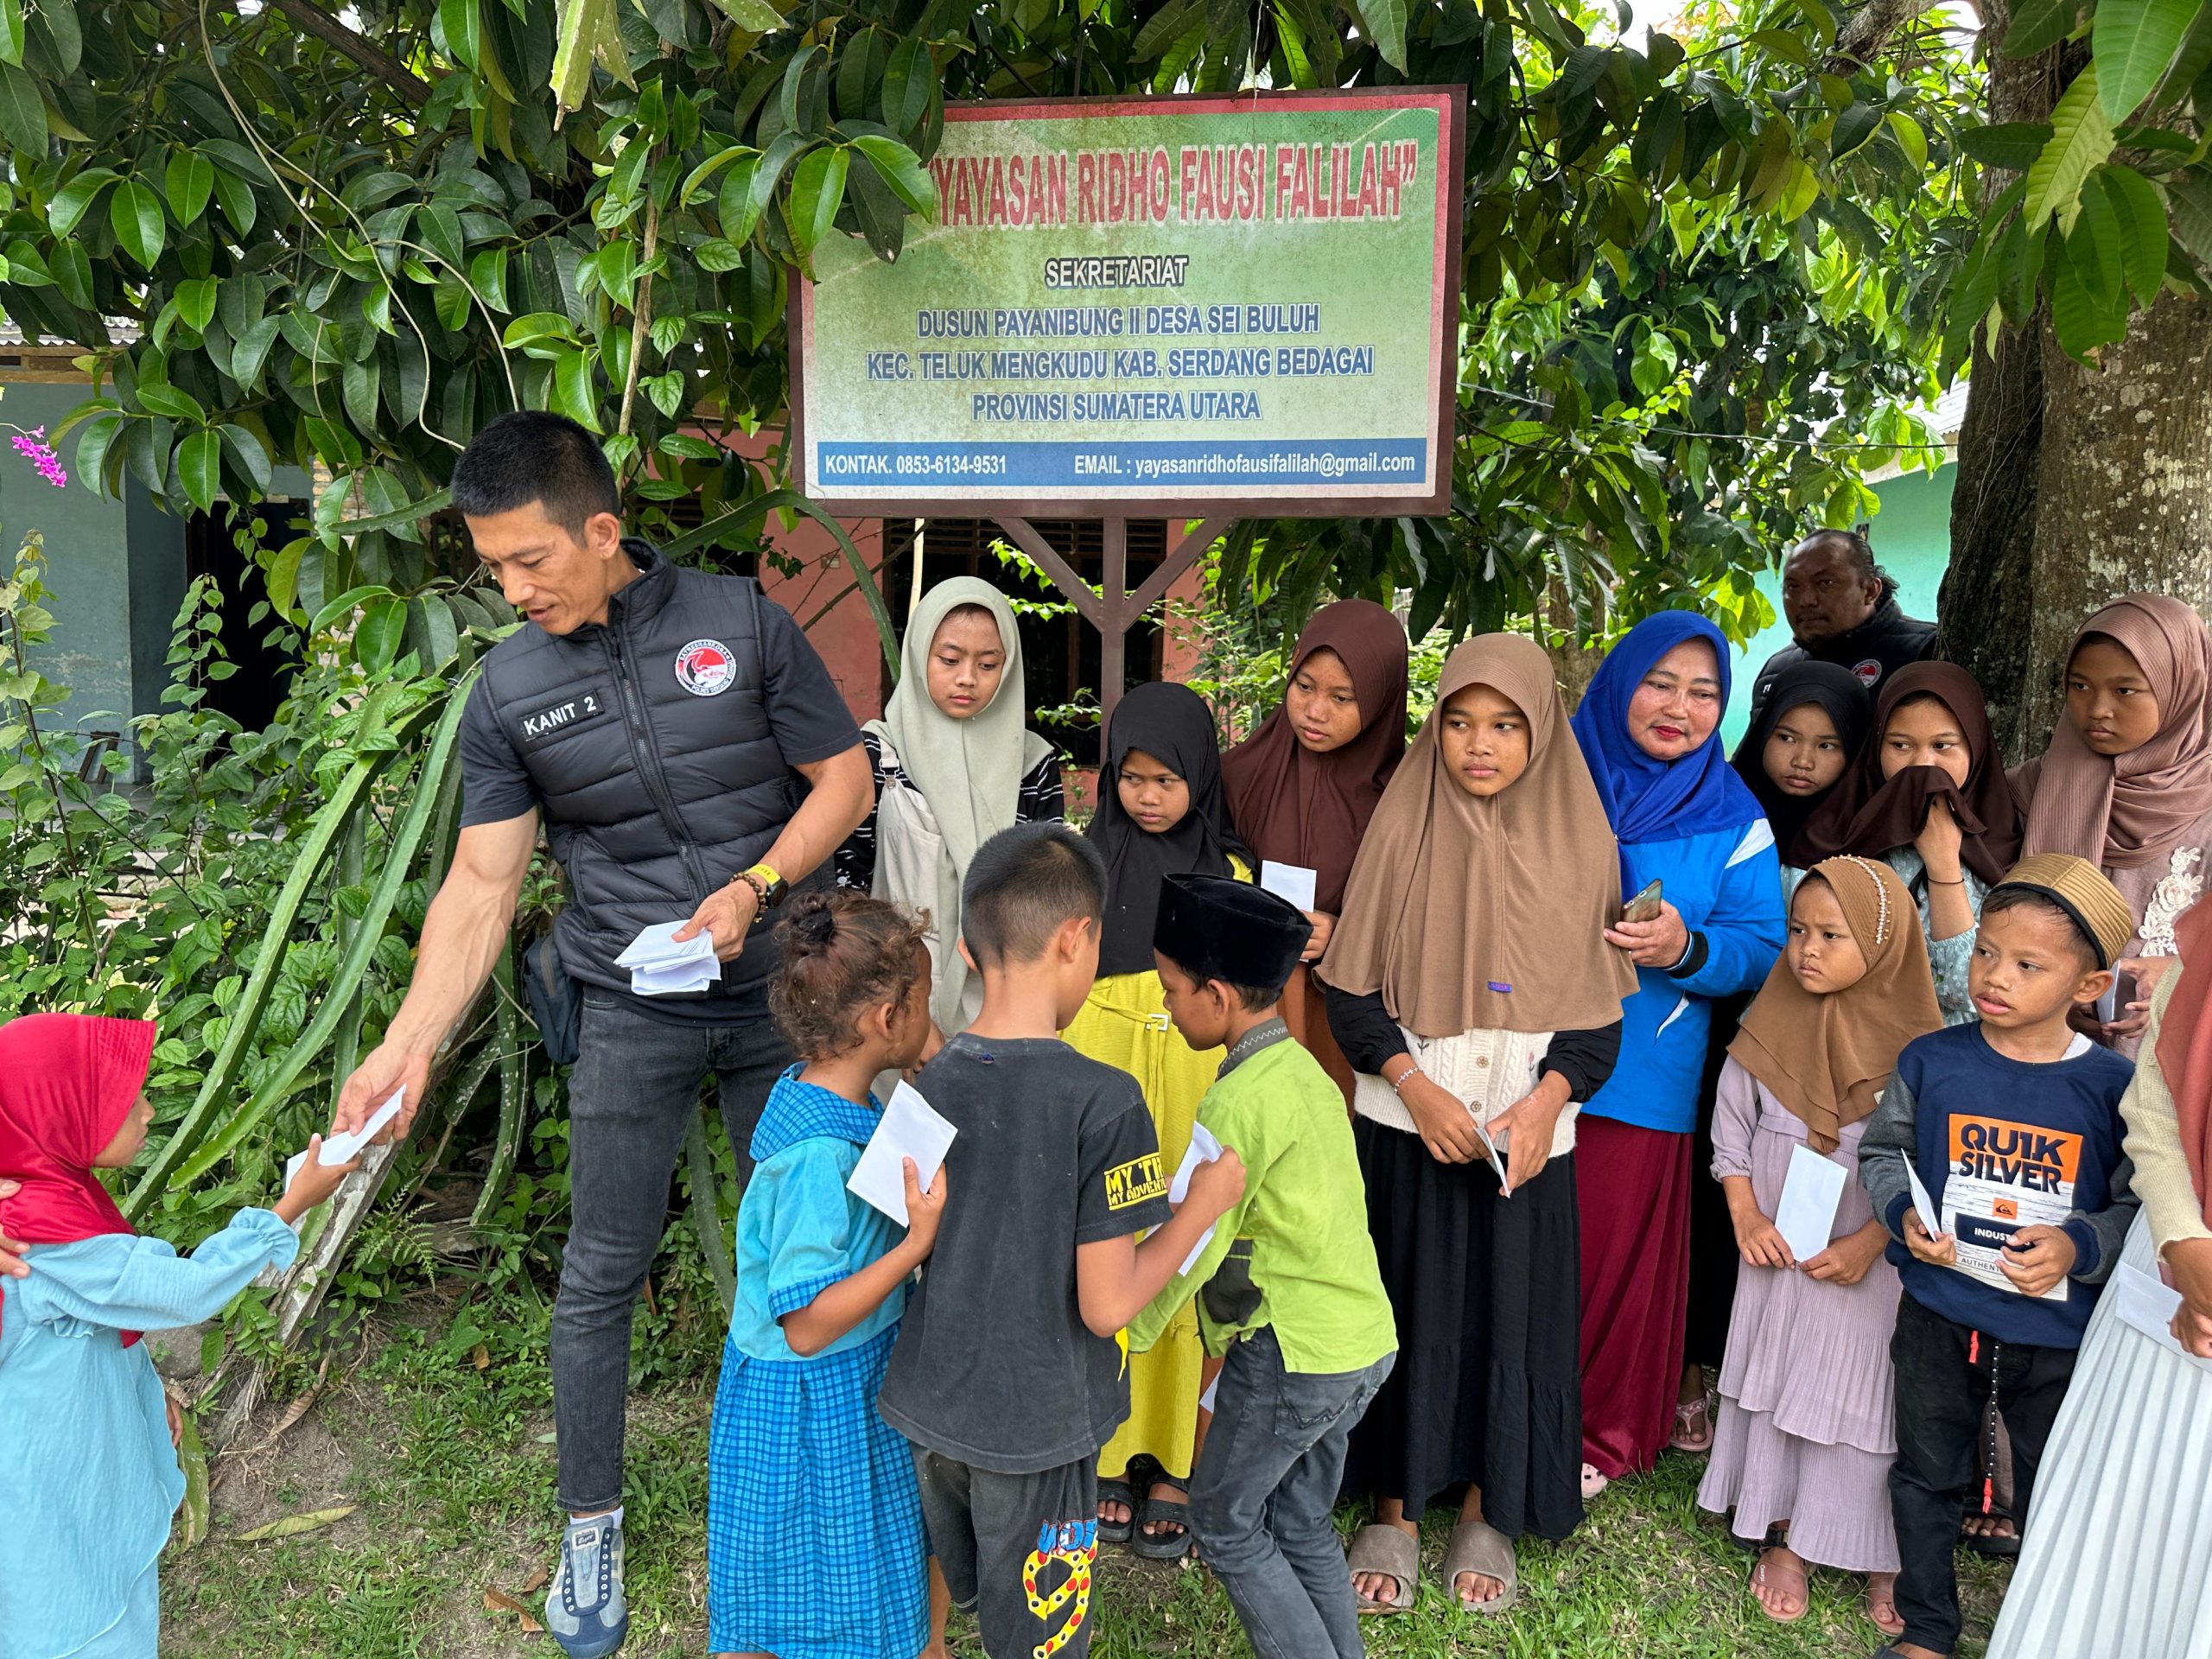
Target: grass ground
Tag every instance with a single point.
(446, 1454)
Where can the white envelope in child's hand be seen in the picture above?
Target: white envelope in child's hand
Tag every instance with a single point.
(342, 1148)
(1203, 1149)
(1292, 881)
(910, 1128)
(1806, 1216)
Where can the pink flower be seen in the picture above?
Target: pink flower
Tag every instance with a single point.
(40, 454)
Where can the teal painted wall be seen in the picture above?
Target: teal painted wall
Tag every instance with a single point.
(1911, 537)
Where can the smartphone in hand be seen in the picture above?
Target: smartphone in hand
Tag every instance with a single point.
(1644, 907)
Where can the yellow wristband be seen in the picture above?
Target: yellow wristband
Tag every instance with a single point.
(768, 871)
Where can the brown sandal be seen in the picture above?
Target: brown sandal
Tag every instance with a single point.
(1763, 1577)
(1694, 1424)
(1481, 1549)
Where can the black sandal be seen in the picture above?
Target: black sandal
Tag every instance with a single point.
(1117, 1490)
(1158, 1547)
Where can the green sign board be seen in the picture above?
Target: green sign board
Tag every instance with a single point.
(1233, 305)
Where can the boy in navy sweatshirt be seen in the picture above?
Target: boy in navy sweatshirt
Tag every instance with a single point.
(2014, 1125)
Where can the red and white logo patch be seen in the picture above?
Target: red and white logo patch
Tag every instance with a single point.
(1868, 672)
(705, 668)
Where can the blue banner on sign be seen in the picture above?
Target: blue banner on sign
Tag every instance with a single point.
(1140, 466)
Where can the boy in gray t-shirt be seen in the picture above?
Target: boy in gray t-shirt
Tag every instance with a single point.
(1007, 1376)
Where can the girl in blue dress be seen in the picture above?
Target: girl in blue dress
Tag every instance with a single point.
(815, 1547)
(87, 1439)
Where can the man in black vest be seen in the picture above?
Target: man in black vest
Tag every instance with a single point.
(1842, 608)
(692, 757)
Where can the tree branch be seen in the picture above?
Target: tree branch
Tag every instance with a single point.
(1867, 30)
(328, 29)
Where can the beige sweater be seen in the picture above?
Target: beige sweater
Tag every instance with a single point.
(2162, 1178)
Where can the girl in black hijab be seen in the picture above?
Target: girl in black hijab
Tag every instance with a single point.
(1159, 814)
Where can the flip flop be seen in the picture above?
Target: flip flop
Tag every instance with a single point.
(1996, 1548)
(1478, 1548)
(1117, 1490)
(1763, 1577)
(1382, 1549)
(1694, 1424)
(1892, 1627)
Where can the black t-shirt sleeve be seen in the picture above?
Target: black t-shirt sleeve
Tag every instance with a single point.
(495, 785)
(806, 710)
(1124, 1186)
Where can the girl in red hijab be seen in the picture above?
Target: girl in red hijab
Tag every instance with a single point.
(87, 1444)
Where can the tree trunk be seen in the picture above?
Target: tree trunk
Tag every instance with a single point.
(2074, 484)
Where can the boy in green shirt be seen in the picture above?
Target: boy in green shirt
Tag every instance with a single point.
(1287, 1285)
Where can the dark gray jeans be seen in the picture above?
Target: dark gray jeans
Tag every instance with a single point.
(631, 1098)
(1263, 1492)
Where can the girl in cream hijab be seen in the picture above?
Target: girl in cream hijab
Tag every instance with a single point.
(955, 763)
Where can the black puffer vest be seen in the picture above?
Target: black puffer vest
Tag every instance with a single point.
(651, 751)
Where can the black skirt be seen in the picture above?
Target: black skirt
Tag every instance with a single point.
(1487, 1390)
(1713, 1255)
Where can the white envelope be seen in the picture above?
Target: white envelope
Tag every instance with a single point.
(1806, 1216)
(910, 1128)
(1930, 1218)
(1203, 1149)
(656, 947)
(675, 979)
(1292, 881)
(2150, 1304)
(341, 1148)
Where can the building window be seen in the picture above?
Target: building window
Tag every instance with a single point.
(1059, 651)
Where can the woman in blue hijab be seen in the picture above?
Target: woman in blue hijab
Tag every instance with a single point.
(1650, 727)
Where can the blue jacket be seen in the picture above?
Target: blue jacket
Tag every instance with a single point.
(1728, 885)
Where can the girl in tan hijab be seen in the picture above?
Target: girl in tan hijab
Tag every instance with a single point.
(1803, 1447)
(1471, 987)
(2127, 781)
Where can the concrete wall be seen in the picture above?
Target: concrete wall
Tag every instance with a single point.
(1911, 536)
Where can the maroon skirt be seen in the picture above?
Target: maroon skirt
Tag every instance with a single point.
(1634, 1186)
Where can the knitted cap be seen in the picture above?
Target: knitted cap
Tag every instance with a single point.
(2080, 889)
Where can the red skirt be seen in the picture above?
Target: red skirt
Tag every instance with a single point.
(1634, 1186)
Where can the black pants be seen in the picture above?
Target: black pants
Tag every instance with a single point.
(632, 1099)
(1017, 1551)
(1947, 1374)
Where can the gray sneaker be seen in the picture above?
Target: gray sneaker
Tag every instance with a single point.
(585, 1610)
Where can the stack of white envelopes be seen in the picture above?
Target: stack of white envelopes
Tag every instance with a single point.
(660, 967)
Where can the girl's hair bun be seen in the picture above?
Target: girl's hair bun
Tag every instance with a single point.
(842, 952)
(812, 924)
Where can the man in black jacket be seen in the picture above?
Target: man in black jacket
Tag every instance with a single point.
(1842, 608)
(691, 760)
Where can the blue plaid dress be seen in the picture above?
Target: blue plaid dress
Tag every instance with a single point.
(815, 1547)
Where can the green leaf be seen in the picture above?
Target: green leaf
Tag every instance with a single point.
(1853, 128)
(2081, 324)
(2135, 40)
(159, 397)
(11, 31)
(2012, 146)
(23, 113)
(2039, 25)
(190, 178)
(135, 214)
(817, 190)
(1782, 43)
(439, 227)
(2141, 215)
(1653, 366)
(575, 393)
(1910, 139)
(376, 641)
(2092, 247)
(55, 29)
(251, 458)
(92, 445)
(740, 204)
(237, 200)
(538, 325)
(196, 303)
(1385, 22)
(358, 385)
(909, 76)
(756, 15)
(698, 176)
(251, 351)
(73, 199)
(197, 463)
(2081, 138)
(458, 21)
(903, 171)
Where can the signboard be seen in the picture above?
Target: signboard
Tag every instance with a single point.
(1229, 305)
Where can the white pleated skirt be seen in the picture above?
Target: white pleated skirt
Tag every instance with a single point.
(2117, 1562)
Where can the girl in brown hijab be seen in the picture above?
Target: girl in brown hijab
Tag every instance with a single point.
(2127, 781)
(1803, 1447)
(1302, 787)
(1929, 799)
(1470, 985)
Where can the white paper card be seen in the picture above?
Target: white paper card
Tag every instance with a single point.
(1206, 1399)
(1292, 881)
(656, 947)
(342, 1148)
(680, 980)
(1928, 1216)
(2148, 1304)
(910, 1128)
(1806, 1216)
(1203, 1149)
(1494, 1145)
